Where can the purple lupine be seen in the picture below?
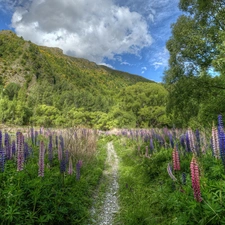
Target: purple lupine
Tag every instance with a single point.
(198, 144)
(66, 157)
(7, 146)
(70, 168)
(50, 151)
(188, 148)
(78, 167)
(171, 140)
(20, 151)
(2, 154)
(36, 138)
(62, 165)
(41, 162)
(32, 135)
(26, 150)
(56, 141)
(13, 147)
(61, 142)
(60, 153)
(221, 139)
(182, 141)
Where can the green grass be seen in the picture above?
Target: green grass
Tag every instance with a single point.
(148, 196)
(56, 198)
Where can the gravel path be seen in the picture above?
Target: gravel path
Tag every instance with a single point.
(110, 203)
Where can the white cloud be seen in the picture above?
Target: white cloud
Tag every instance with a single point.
(160, 59)
(83, 28)
(144, 68)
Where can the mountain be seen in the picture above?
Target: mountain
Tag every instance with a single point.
(24, 62)
(40, 85)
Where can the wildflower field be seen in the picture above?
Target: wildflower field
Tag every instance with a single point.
(166, 176)
(47, 176)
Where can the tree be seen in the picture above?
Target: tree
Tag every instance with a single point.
(196, 54)
(144, 100)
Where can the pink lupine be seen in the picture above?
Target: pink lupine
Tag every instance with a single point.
(215, 142)
(195, 179)
(20, 152)
(70, 169)
(41, 159)
(176, 159)
(59, 152)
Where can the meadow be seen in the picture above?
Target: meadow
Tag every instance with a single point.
(166, 176)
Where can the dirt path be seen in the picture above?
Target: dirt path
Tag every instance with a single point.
(104, 215)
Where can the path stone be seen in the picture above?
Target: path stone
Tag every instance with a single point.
(110, 205)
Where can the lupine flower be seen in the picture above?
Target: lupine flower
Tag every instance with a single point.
(70, 168)
(176, 160)
(66, 157)
(50, 152)
(60, 153)
(63, 165)
(36, 138)
(2, 154)
(41, 159)
(198, 144)
(195, 179)
(61, 142)
(7, 146)
(26, 151)
(171, 141)
(169, 170)
(182, 141)
(187, 140)
(221, 139)
(32, 134)
(215, 142)
(191, 140)
(13, 147)
(20, 151)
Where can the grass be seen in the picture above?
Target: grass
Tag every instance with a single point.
(55, 198)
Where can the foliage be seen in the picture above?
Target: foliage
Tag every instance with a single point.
(57, 197)
(195, 76)
(147, 193)
(60, 90)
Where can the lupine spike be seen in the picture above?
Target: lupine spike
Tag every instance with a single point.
(169, 170)
(20, 151)
(176, 159)
(191, 140)
(41, 159)
(50, 152)
(195, 179)
(70, 168)
(215, 142)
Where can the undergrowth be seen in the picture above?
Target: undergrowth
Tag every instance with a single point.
(148, 195)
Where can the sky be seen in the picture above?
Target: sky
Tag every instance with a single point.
(126, 35)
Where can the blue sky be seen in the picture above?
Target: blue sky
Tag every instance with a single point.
(126, 35)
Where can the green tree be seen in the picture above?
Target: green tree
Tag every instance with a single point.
(146, 101)
(196, 54)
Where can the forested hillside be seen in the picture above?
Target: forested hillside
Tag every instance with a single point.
(42, 86)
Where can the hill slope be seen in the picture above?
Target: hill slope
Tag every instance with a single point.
(42, 86)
